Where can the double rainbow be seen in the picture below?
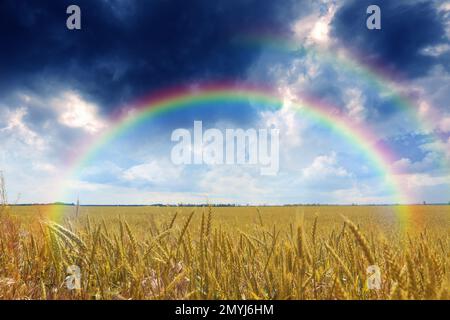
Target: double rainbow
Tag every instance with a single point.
(362, 138)
(171, 101)
(376, 76)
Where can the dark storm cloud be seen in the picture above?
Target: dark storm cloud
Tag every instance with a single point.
(407, 28)
(128, 48)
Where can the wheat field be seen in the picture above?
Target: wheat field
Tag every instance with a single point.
(308, 252)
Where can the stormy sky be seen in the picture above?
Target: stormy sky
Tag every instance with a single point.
(60, 89)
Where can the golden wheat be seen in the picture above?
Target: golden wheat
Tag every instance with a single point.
(223, 253)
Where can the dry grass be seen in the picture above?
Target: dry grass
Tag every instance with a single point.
(223, 253)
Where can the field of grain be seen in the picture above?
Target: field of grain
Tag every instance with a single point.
(310, 252)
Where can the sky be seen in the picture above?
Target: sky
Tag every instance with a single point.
(61, 89)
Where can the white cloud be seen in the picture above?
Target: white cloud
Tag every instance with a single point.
(445, 9)
(314, 29)
(44, 167)
(430, 94)
(430, 161)
(154, 171)
(16, 126)
(445, 6)
(325, 166)
(227, 182)
(360, 194)
(74, 112)
(444, 125)
(424, 108)
(402, 165)
(98, 193)
(435, 51)
(80, 186)
(355, 104)
(285, 119)
(438, 147)
(425, 180)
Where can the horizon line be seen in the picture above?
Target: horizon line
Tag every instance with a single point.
(230, 204)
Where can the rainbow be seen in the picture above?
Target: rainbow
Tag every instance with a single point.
(181, 98)
(375, 75)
